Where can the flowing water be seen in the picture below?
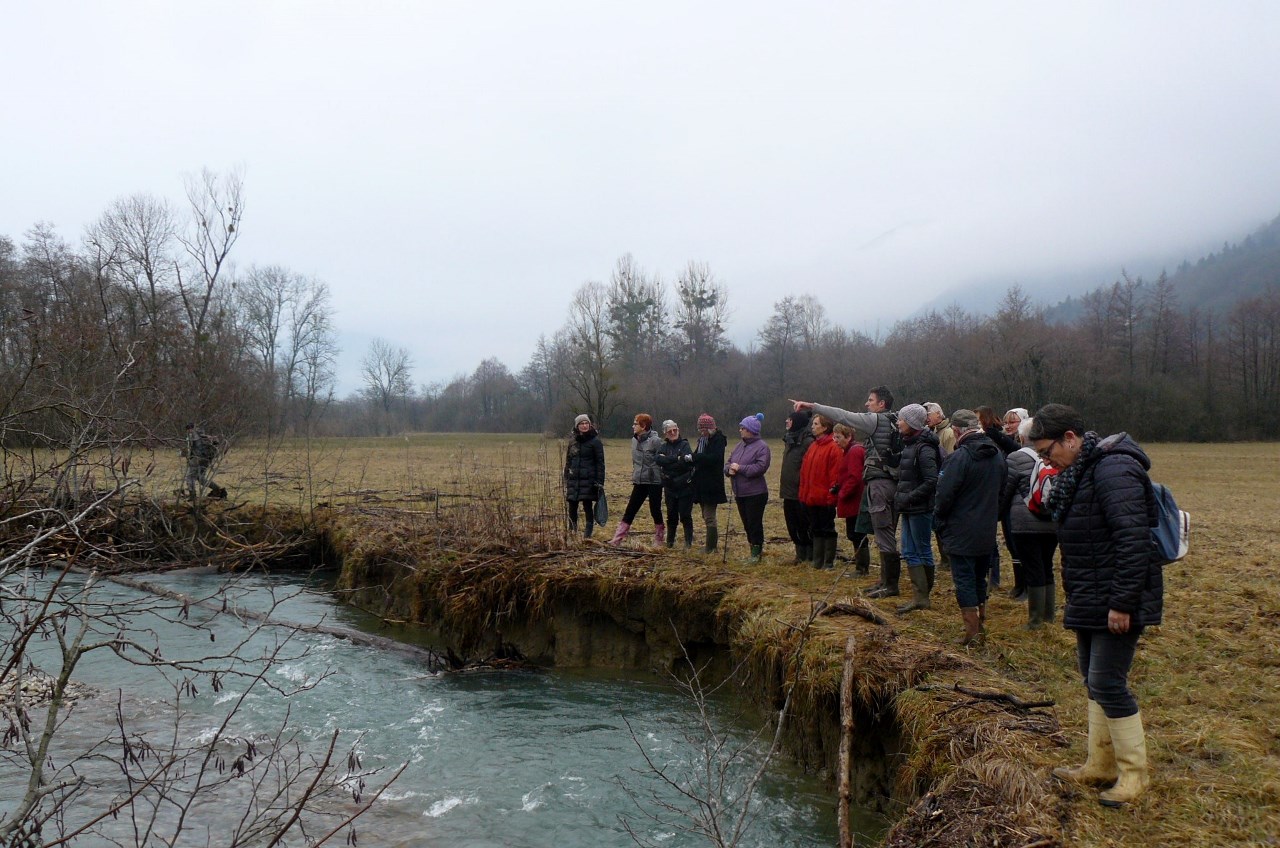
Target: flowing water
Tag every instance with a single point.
(493, 758)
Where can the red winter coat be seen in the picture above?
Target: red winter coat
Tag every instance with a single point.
(849, 478)
(818, 472)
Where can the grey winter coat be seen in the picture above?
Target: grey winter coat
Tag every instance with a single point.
(1108, 557)
(967, 502)
(875, 430)
(1013, 500)
(644, 469)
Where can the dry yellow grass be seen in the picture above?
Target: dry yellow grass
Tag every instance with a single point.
(1207, 679)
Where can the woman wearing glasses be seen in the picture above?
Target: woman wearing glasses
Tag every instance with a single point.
(1104, 508)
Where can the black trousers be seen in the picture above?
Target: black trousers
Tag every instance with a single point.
(822, 522)
(679, 508)
(640, 492)
(1035, 552)
(797, 518)
(751, 511)
(1104, 659)
(573, 513)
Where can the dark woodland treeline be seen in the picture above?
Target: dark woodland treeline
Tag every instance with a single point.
(1133, 357)
(117, 340)
(143, 324)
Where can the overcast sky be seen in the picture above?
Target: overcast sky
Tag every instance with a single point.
(455, 171)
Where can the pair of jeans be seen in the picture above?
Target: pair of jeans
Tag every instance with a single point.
(640, 492)
(969, 573)
(1104, 659)
(751, 511)
(917, 538)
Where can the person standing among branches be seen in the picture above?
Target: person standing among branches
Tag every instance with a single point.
(583, 473)
(675, 462)
(708, 479)
(200, 450)
(646, 480)
(1104, 507)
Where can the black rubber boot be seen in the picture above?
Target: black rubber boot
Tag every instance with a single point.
(890, 571)
(862, 559)
(713, 539)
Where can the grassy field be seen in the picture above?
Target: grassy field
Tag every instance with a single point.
(1208, 680)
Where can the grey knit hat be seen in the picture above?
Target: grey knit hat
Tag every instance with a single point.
(914, 415)
(581, 418)
(964, 419)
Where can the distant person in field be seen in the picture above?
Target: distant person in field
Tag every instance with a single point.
(918, 468)
(708, 476)
(795, 443)
(965, 509)
(675, 462)
(1012, 420)
(583, 473)
(646, 480)
(200, 450)
(746, 469)
(1104, 508)
(877, 428)
(849, 495)
(818, 490)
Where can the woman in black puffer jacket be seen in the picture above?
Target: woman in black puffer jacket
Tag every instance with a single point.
(1105, 509)
(583, 473)
(918, 466)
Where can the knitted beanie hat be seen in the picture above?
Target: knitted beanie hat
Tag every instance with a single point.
(914, 415)
(581, 418)
(706, 422)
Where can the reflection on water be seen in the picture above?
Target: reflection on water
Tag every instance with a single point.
(512, 758)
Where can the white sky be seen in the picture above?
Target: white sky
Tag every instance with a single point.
(455, 171)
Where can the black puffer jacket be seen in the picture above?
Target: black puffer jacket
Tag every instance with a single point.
(584, 467)
(677, 471)
(795, 444)
(967, 503)
(918, 466)
(1108, 558)
(708, 470)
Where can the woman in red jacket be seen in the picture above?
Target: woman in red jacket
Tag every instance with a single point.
(817, 490)
(849, 490)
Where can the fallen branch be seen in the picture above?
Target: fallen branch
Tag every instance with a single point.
(1002, 696)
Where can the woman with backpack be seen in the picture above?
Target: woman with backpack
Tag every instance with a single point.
(1033, 535)
(1104, 508)
(583, 473)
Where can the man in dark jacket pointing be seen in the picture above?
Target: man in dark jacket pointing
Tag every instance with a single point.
(965, 514)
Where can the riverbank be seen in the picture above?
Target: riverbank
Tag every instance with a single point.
(473, 545)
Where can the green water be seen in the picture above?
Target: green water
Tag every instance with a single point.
(493, 758)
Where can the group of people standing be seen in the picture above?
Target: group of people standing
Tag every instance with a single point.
(900, 479)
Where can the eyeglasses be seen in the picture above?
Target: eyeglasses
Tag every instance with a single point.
(1044, 454)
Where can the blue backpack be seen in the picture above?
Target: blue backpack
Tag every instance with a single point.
(1172, 530)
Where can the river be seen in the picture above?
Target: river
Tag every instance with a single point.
(495, 758)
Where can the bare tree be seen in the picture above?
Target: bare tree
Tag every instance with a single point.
(701, 313)
(387, 371)
(587, 366)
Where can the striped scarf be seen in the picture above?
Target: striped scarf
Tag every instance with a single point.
(1064, 485)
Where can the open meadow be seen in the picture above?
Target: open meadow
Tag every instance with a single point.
(1208, 680)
